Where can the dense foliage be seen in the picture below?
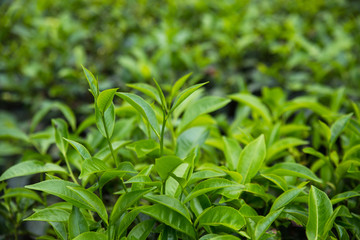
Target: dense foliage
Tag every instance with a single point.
(261, 141)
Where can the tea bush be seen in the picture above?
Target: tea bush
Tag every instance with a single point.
(162, 166)
(261, 142)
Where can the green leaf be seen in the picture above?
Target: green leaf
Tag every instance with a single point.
(254, 103)
(204, 174)
(343, 196)
(178, 84)
(202, 106)
(265, 223)
(170, 218)
(304, 103)
(143, 108)
(125, 201)
(91, 166)
(31, 167)
(77, 223)
(84, 153)
(292, 169)
(61, 132)
(279, 181)
(232, 152)
(60, 189)
(105, 99)
(146, 89)
(161, 94)
(285, 198)
(221, 216)
(141, 231)
(251, 159)
(211, 185)
(145, 147)
(13, 133)
(189, 140)
(282, 145)
(92, 236)
(185, 94)
(91, 200)
(49, 215)
(337, 128)
(330, 222)
(129, 218)
(68, 113)
(170, 202)
(320, 210)
(60, 229)
(93, 83)
(166, 164)
(109, 123)
(21, 193)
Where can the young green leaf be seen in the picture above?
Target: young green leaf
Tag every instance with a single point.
(105, 99)
(251, 159)
(170, 202)
(170, 218)
(68, 113)
(338, 126)
(320, 210)
(91, 200)
(202, 106)
(60, 189)
(285, 198)
(343, 196)
(77, 223)
(84, 153)
(211, 185)
(265, 223)
(278, 180)
(185, 94)
(30, 167)
(49, 215)
(105, 123)
(221, 216)
(232, 150)
(21, 193)
(189, 140)
(254, 103)
(143, 108)
(178, 84)
(61, 132)
(91, 166)
(60, 229)
(125, 201)
(93, 83)
(141, 231)
(146, 89)
(292, 169)
(166, 164)
(161, 94)
(282, 145)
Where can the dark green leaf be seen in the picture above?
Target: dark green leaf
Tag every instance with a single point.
(77, 223)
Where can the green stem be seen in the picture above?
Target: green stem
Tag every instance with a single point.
(69, 169)
(123, 184)
(109, 142)
(162, 133)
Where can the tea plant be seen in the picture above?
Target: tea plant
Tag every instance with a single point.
(161, 165)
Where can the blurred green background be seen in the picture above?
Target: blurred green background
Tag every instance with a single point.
(300, 45)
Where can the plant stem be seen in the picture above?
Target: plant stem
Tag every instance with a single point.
(109, 142)
(69, 169)
(162, 133)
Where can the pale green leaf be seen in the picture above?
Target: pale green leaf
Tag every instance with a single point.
(185, 94)
(265, 223)
(92, 236)
(31, 167)
(84, 153)
(93, 83)
(251, 159)
(49, 215)
(222, 216)
(254, 103)
(285, 198)
(92, 200)
(143, 108)
(105, 99)
(320, 210)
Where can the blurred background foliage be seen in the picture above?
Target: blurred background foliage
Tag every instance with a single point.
(298, 45)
